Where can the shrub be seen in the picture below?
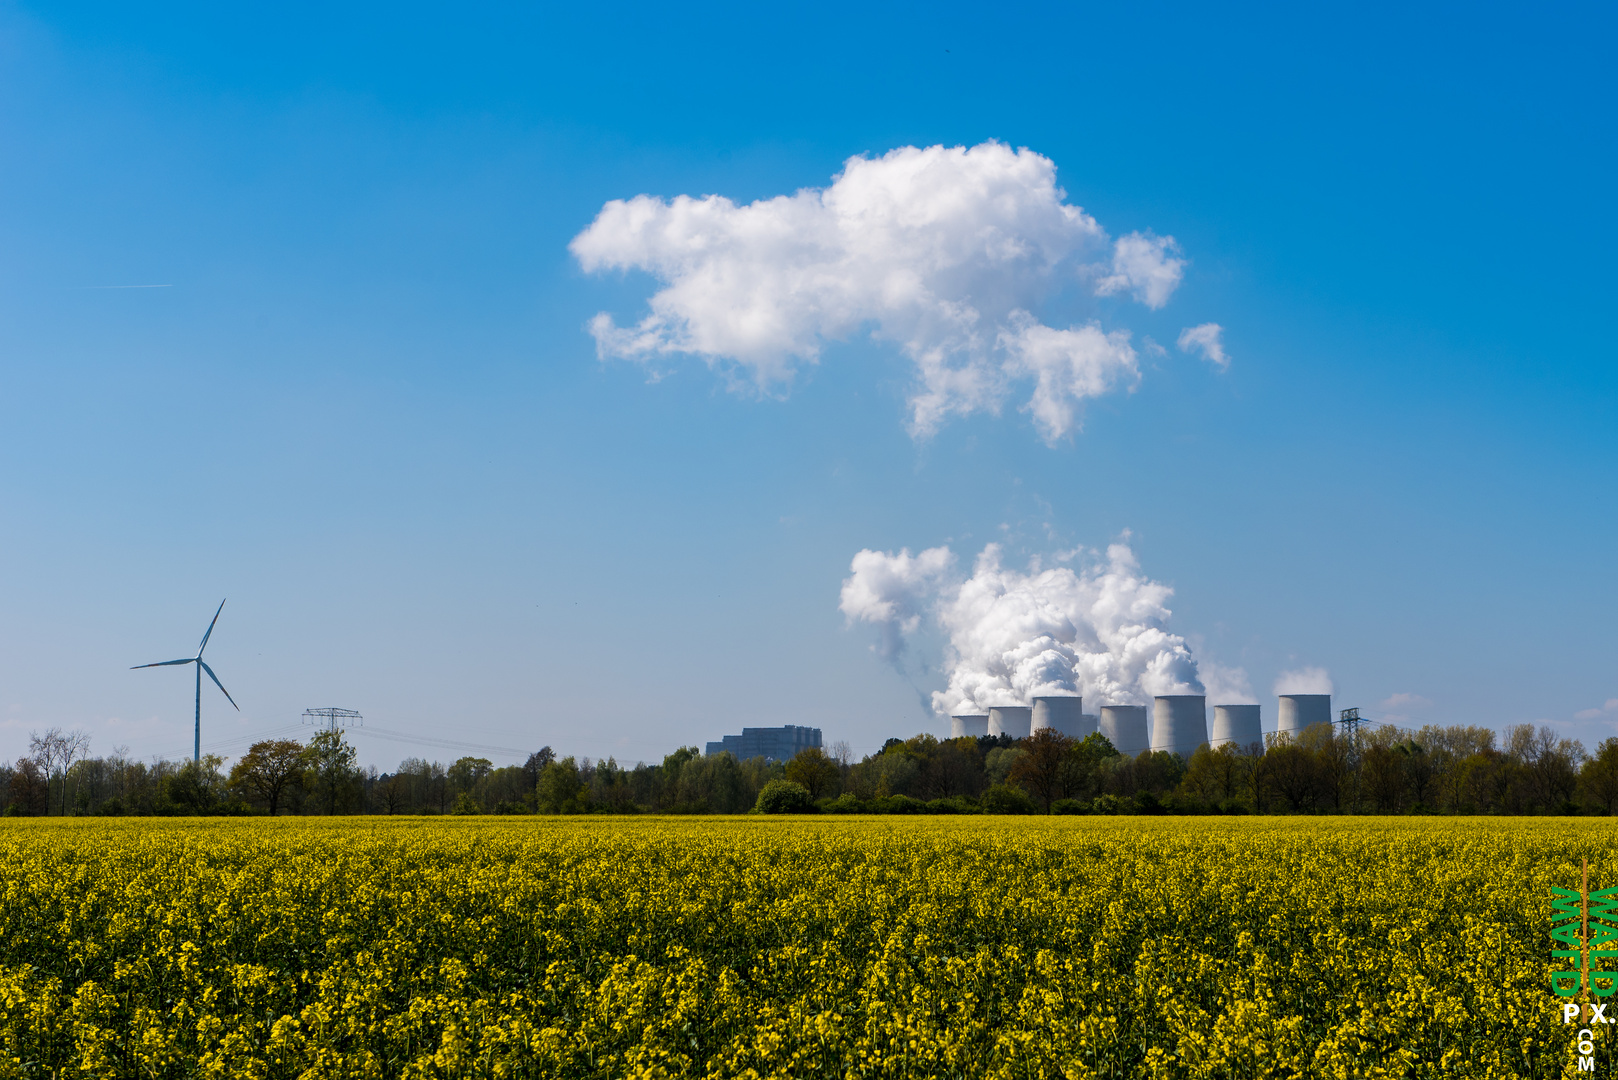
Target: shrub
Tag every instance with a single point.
(1070, 806)
(845, 803)
(1147, 803)
(1106, 804)
(1005, 799)
(784, 797)
(898, 804)
(465, 804)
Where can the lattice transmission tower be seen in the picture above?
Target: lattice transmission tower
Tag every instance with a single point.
(332, 719)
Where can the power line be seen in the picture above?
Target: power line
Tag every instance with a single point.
(448, 744)
(238, 740)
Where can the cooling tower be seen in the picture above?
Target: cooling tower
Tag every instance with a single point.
(1298, 711)
(1013, 720)
(1125, 727)
(1065, 714)
(1237, 724)
(1179, 723)
(969, 725)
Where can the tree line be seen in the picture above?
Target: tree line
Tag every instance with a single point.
(1455, 769)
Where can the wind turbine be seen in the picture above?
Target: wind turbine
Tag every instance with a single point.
(196, 737)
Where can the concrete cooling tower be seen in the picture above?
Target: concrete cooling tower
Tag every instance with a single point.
(1179, 723)
(1299, 711)
(1237, 724)
(1065, 714)
(1125, 727)
(969, 725)
(1013, 720)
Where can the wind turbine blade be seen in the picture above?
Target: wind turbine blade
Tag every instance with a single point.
(209, 634)
(165, 663)
(219, 684)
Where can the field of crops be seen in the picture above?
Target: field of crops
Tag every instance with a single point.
(1069, 947)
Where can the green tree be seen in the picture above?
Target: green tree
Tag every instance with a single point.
(270, 769)
(716, 783)
(674, 766)
(467, 771)
(193, 788)
(561, 788)
(1383, 771)
(1039, 769)
(999, 762)
(1217, 776)
(1598, 780)
(329, 770)
(814, 771)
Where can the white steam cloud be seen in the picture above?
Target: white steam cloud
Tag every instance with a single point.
(944, 251)
(891, 590)
(1100, 630)
(1226, 685)
(1307, 680)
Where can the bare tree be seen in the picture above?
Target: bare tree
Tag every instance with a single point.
(75, 745)
(46, 751)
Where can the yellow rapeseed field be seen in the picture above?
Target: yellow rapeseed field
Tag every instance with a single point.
(743, 947)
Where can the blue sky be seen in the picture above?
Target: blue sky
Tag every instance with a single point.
(366, 407)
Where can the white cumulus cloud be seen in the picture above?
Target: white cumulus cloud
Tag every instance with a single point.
(1145, 266)
(1100, 631)
(945, 252)
(1205, 339)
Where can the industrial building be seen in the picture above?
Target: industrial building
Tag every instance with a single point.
(1014, 720)
(1178, 722)
(774, 743)
(1299, 711)
(1125, 727)
(1238, 724)
(969, 726)
(1065, 715)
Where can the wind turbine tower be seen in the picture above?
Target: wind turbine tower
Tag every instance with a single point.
(196, 734)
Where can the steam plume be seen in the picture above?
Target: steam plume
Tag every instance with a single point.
(1099, 630)
(1307, 680)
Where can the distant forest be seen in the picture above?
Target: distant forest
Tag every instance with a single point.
(1452, 770)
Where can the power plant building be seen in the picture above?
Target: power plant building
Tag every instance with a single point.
(1064, 714)
(969, 725)
(773, 743)
(1299, 711)
(1125, 727)
(1014, 720)
(1238, 724)
(1179, 723)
